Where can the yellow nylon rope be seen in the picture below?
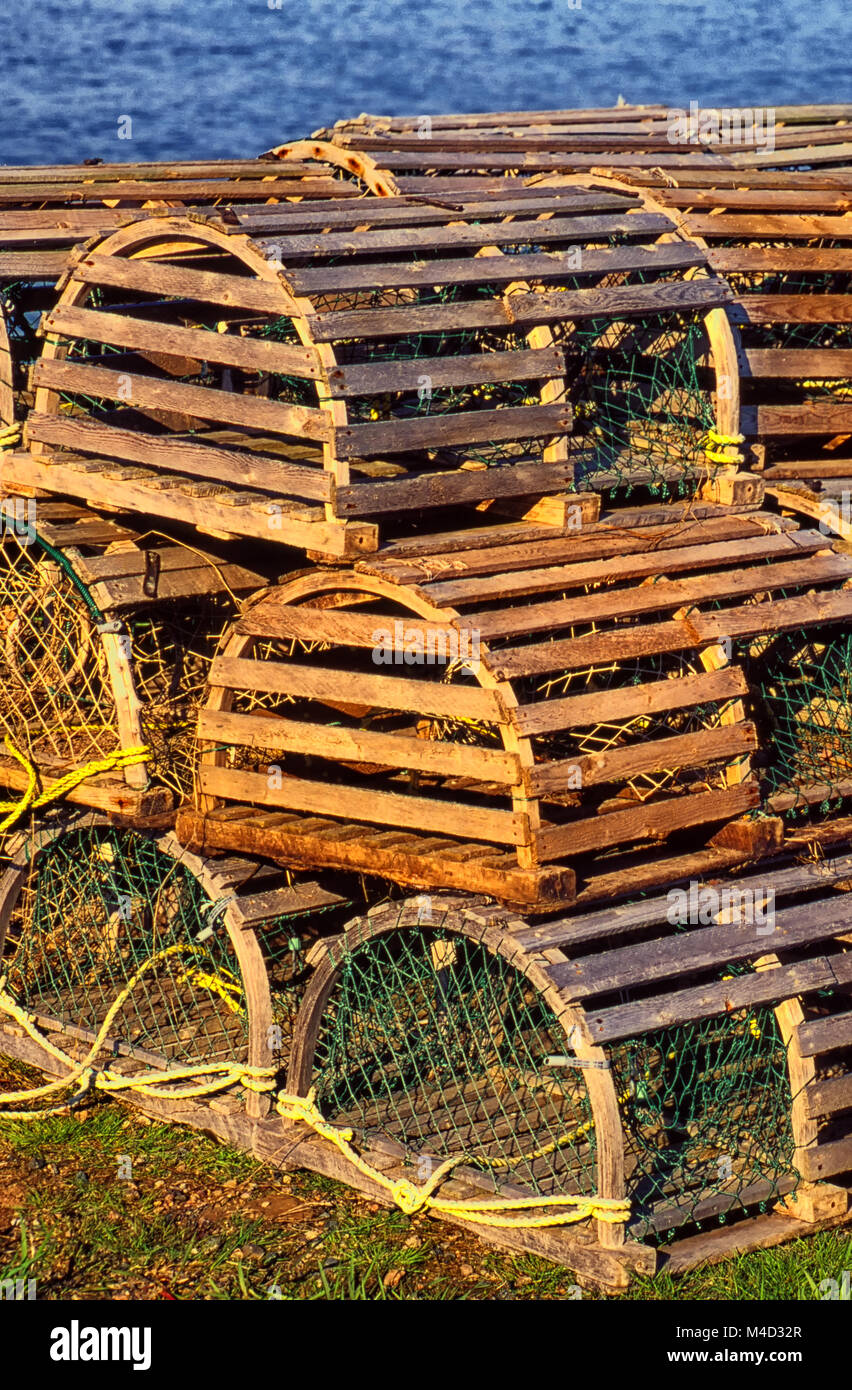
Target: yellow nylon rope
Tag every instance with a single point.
(725, 442)
(10, 435)
(122, 757)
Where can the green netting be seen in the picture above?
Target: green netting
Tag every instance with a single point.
(100, 902)
(803, 680)
(97, 904)
(435, 1042)
(706, 1110)
(431, 1040)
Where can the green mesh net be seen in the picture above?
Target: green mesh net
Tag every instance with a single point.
(100, 902)
(432, 1041)
(706, 1110)
(803, 684)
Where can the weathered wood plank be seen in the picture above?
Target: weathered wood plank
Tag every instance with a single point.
(403, 749)
(238, 467)
(650, 821)
(368, 806)
(251, 354)
(677, 635)
(700, 948)
(384, 692)
(679, 751)
(726, 996)
(652, 697)
(202, 402)
(153, 277)
(467, 427)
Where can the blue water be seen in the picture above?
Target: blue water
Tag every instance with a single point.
(230, 77)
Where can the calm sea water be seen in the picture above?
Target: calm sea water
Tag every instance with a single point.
(230, 77)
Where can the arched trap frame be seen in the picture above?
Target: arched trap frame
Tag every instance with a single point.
(124, 945)
(107, 635)
(432, 377)
(477, 723)
(663, 1064)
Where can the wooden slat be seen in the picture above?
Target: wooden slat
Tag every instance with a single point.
(793, 225)
(358, 745)
(617, 567)
(385, 214)
(379, 378)
(628, 301)
(273, 619)
(652, 697)
(650, 821)
(702, 948)
(830, 1095)
(251, 354)
(786, 258)
(678, 635)
(152, 277)
(623, 301)
(295, 840)
(194, 191)
(32, 265)
(679, 751)
(792, 308)
(262, 518)
(452, 487)
(371, 807)
(384, 692)
(430, 559)
(825, 1034)
(704, 1001)
(550, 265)
(481, 234)
(467, 427)
(614, 923)
(813, 363)
(813, 417)
(202, 402)
(663, 594)
(237, 467)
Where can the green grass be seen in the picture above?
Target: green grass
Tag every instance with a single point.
(190, 1223)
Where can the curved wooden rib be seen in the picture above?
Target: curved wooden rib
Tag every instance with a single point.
(24, 862)
(466, 921)
(378, 180)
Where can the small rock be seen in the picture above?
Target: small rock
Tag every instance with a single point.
(35, 1164)
(465, 1271)
(81, 1178)
(209, 1245)
(312, 1233)
(230, 1184)
(413, 1243)
(393, 1277)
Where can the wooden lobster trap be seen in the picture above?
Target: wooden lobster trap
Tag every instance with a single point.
(106, 639)
(48, 210)
(412, 150)
(780, 237)
(472, 721)
(305, 376)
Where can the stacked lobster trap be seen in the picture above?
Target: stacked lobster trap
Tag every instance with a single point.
(426, 739)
